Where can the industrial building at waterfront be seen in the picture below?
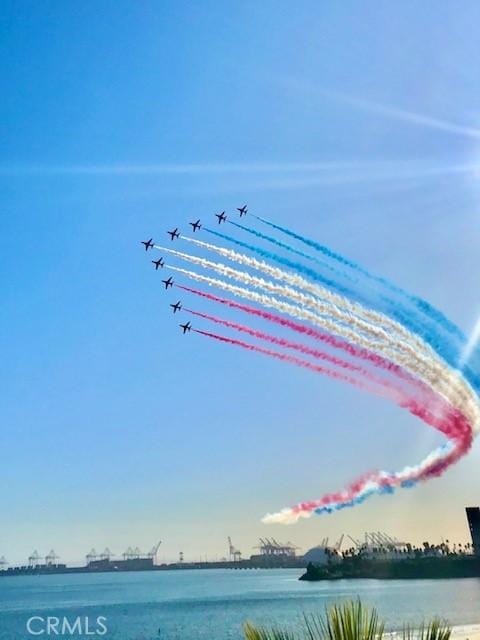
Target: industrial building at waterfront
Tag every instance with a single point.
(270, 554)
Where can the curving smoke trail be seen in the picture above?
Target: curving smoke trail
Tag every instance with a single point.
(444, 380)
(374, 317)
(290, 249)
(389, 388)
(327, 338)
(325, 307)
(452, 423)
(407, 355)
(450, 349)
(299, 362)
(392, 388)
(414, 384)
(418, 302)
(377, 483)
(412, 357)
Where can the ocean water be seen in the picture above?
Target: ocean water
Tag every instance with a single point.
(213, 604)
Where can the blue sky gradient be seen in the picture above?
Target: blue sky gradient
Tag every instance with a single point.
(355, 123)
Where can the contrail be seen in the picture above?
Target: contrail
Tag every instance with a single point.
(314, 289)
(451, 422)
(297, 346)
(327, 307)
(409, 343)
(421, 304)
(290, 249)
(434, 465)
(326, 338)
(207, 168)
(405, 329)
(305, 364)
(352, 350)
(395, 113)
(407, 116)
(285, 262)
(457, 428)
(408, 352)
(439, 376)
(397, 393)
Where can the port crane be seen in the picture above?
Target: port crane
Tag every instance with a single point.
(336, 547)
(128, 554)
(234, 555)
(271, 547)
(91, 556)
(34, 559)
(106, 555)
(153, 552)
(51, 558)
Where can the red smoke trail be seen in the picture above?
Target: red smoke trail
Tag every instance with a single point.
(337, 343)
(447, 411)
(305, 364)
(316, 353)
(428, 395)
(395, 393)
(452, 423)
(353, 492)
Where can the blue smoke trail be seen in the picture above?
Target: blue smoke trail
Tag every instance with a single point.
(291, 249)
(435, 339)
(386, 490)
(421, 304)
(387, 304)
(288, 263)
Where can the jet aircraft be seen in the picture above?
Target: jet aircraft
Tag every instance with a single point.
(174, 234)
(168, 283)
(186, 327)
(148, 244)
(242, 210)
(158, 263)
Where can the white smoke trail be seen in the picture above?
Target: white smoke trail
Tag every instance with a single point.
(439, 455)
(317, 290)
(445, 456)
(323, 307)
(439, 377)
(419, 351)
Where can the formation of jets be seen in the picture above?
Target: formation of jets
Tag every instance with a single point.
(174, 234)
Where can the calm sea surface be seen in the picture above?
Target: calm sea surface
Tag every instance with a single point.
(201, 605)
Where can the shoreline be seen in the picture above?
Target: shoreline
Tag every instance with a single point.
(459, 632)
(466, 632)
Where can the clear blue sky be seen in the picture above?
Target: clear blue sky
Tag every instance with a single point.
(356, 122)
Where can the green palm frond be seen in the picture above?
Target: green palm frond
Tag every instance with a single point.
(348, 621)
(434, 630)
(263, 633)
